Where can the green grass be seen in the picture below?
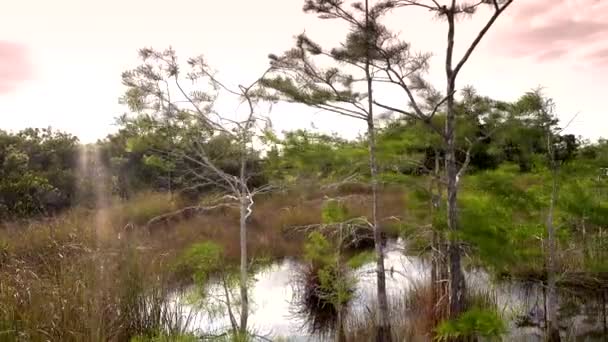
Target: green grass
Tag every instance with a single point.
(473, 323)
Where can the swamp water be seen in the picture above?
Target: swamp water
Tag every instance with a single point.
(273, 315)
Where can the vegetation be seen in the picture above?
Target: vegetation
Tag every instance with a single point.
(38, 172)
(101, 242)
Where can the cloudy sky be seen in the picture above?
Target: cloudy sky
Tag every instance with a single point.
(61, 60)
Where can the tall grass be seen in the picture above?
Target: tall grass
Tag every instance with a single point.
(412, 314)
(143, 207)
(60, 282)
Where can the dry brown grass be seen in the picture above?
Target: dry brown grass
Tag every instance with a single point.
(61, 281)
(361, 327)
(81, 277)
(268, 226)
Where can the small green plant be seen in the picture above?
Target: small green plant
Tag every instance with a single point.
(360, 259)
(201, 260)
(334, 212)
(472, 323)
(334, 286)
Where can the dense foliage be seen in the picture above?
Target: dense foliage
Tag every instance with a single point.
(37, 173)
(475, 185)
(40, 167)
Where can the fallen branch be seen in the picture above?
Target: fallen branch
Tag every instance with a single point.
(183, 214)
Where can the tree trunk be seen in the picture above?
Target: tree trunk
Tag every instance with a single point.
(383, 327)
(552, 303)
(245, 202)
(439, 270)
(435, 276)
(244, 297)
(340, 333)
(457, 282)
(604, 313)
(229, 305)
(544, 303)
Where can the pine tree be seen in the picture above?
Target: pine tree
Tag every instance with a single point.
(398, 71)
(345, 88)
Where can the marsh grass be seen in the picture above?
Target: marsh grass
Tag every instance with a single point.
(60, 282)
(74, 277)
(412, 314)
(143, 207)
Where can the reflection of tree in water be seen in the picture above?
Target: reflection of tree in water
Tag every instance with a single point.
(311, 303)
(582, 312)
(325, 285)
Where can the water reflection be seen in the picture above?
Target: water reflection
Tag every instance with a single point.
(273, 313)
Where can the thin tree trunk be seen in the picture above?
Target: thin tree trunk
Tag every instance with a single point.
(439, 271)
(340, 334)
(245, 202)
(552, 324)
(383, 328)
(229, 305)
(457, 282)
(435, 277)
(545, 303)
(383, 325)
(604, 313)
(435, 267)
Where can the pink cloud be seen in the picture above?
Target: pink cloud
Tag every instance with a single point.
(14, 66)
(552, 29)
(552, 54)
(599, 53)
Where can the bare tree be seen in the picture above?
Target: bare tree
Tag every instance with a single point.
(157, 87)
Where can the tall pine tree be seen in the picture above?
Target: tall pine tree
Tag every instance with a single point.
(345, 88)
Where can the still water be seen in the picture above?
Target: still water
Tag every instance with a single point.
(273, 316)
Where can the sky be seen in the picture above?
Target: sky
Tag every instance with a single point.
(61, 60)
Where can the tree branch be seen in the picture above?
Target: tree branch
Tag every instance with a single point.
(498, 11)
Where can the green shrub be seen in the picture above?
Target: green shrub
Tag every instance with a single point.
(360, 259)
(201, 260)
(473, 323)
